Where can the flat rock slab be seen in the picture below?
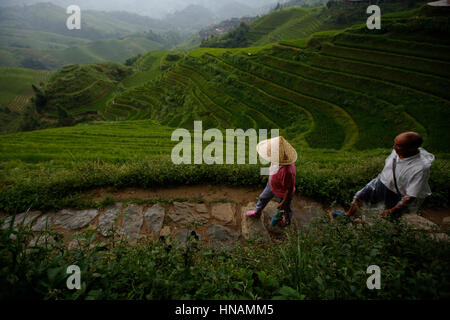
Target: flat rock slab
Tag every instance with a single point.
(42, 240)
(253, 228)
(132, 222)
(440, 236)
(75, 219)
(269, 212)
(224, 212)
(222, 236)
(25, 218)
(419, 222)
(187, 213)
(44, 222)
(305, 215)
(77, 244)
(183, 236)
(107, 221)
(154, 218)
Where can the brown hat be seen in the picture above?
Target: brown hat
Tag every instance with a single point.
(286, 153)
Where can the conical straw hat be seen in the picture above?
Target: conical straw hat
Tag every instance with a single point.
(286, 153)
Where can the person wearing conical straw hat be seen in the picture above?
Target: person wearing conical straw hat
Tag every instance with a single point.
(281, 183)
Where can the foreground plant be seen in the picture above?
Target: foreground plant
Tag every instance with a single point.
(326, 261)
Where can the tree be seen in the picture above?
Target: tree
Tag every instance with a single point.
(39, 98)
(132, 60)
(29, 121)
(64, 118)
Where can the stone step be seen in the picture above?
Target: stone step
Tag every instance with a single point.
(220, 224)
(253, 228)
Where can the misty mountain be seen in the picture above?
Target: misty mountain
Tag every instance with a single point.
(234, 10)
(160, 9)
(95, 25)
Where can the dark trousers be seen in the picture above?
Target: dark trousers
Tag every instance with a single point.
(375, 191)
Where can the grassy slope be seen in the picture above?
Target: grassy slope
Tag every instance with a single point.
(109, 141)
(39, 40)
(16, 82)
(108, 50)
(15, 93)
(48, 168)
(147, 68)
(286, 24)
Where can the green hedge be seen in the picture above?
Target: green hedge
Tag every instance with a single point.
(326, 182)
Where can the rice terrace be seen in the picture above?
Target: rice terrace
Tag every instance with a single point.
(88, 131)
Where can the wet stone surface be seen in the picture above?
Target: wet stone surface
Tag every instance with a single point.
(25, 218)
(224, 212)
(253, 228)
(222, 236)
(221, 225)
(185, 213)
(108, 221)
(132, 222)
(154, 218)
(75, 219)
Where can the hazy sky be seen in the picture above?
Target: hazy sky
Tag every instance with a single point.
(154, 8)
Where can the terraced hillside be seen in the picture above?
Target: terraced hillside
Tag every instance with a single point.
(81, 86)
(338, 90)
(339, 98)
(149, 66)
(287, 24)
(146, 68)
(92, 88)
(341, 90)
(297, 22)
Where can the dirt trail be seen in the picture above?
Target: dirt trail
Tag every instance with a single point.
(240, 196)
(170, 212)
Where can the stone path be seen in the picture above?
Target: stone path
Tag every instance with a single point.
(220, 224)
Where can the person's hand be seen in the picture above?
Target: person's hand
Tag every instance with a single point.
(282, 206)
(385, 213)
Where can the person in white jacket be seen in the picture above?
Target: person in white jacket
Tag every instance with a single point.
(403, 182)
